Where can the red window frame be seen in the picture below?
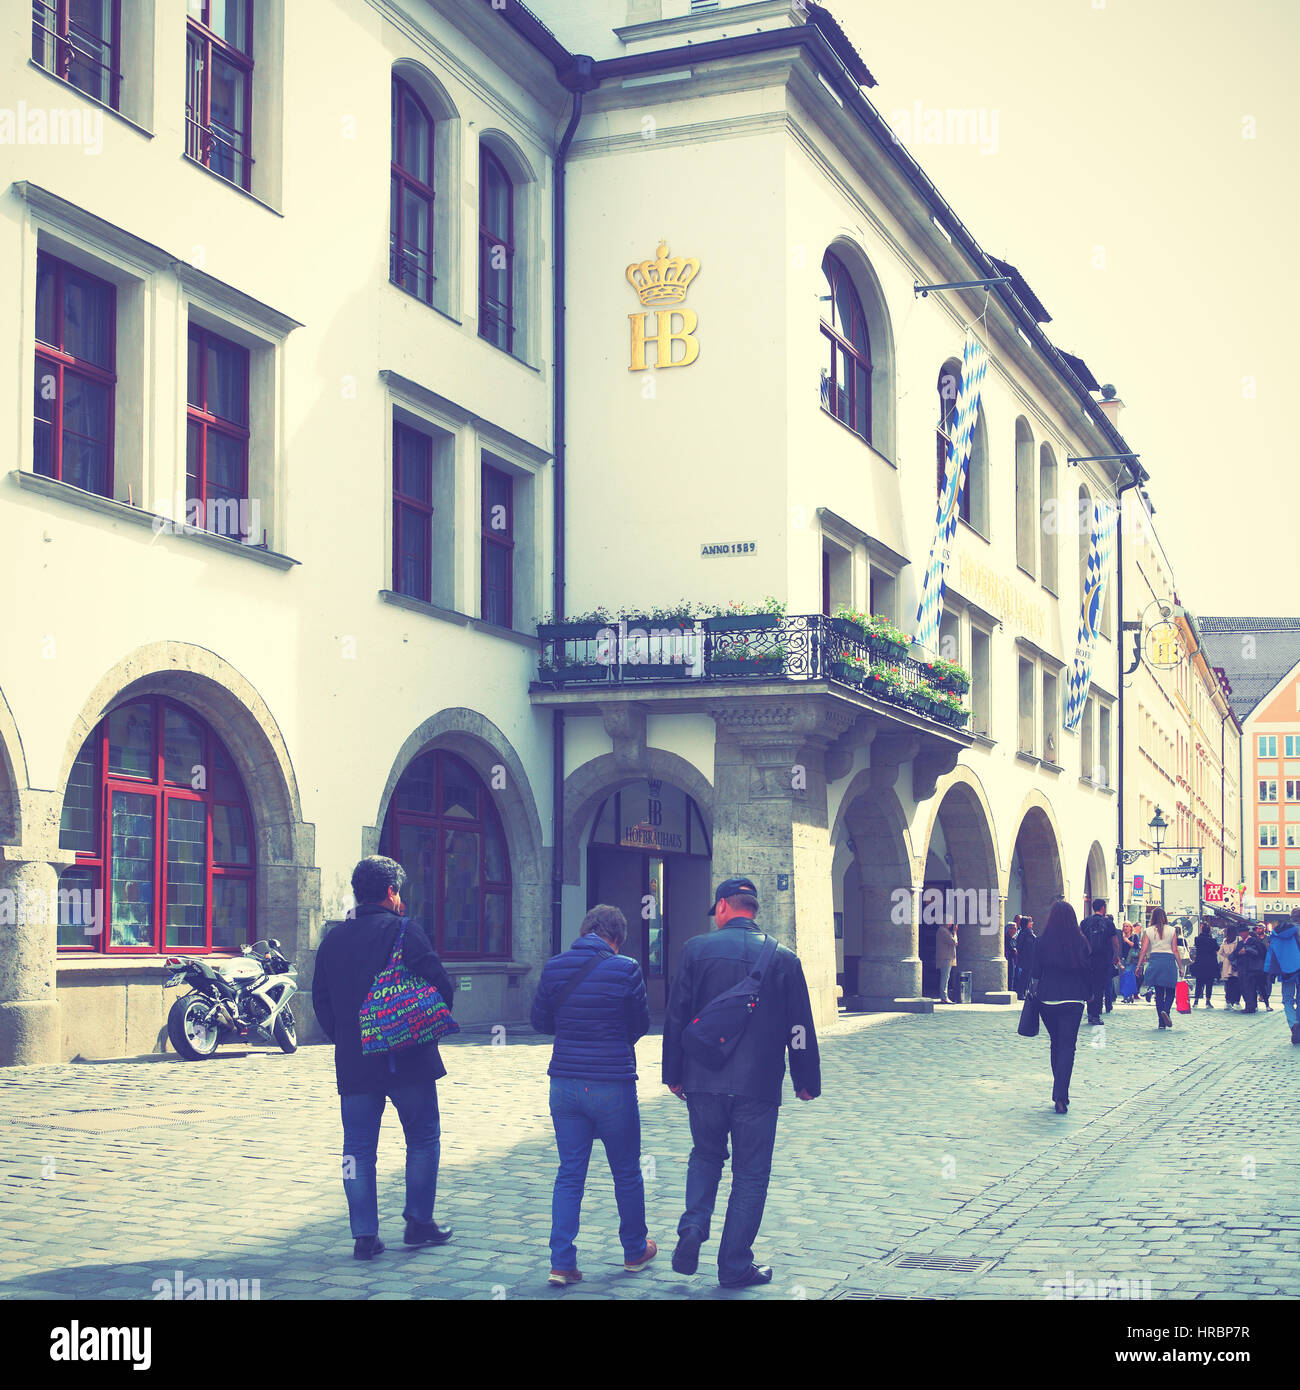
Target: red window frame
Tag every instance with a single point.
(53, 30)
(404, 270)
(434, 821)
(202, 42)
(54, 360)
(496, 318)
(851, 407)
(409, 510)
(494, 538)
(163, 792)
(198, 413)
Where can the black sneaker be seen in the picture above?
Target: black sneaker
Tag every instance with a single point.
(417, 1233)
(686, 1258)
(367, 1247)
(758, 1274)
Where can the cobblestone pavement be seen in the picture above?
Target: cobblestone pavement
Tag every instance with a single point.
(935, 1137)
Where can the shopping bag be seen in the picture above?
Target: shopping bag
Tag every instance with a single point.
(1128, 983)
(1182, 997)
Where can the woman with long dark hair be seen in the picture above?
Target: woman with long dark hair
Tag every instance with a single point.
(1061, 983)
(1162, 958)
(1205, 964)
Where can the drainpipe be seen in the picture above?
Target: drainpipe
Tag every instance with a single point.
(1119, 657)
(579, 79)
(1223, 799)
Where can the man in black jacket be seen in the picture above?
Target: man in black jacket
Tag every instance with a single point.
(350, 956)
(743, 1098)
(1102, 936)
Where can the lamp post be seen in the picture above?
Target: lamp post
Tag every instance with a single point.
(1158, 825)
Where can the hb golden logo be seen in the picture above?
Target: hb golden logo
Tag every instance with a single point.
(664, 280)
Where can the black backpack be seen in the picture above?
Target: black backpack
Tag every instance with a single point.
(1097, 931)
(713, 1034)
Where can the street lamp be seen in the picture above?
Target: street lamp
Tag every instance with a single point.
(1158, 827)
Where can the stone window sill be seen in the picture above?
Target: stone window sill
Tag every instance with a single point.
(93, 100)
(1026, 757)
(1051, 767)
(125, 511)
(229, 183)
(452, 615)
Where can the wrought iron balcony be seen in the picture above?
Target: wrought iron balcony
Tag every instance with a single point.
(752, 648)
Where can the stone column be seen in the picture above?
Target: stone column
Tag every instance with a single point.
(29, 1007)
(770, 823)
(981, 950)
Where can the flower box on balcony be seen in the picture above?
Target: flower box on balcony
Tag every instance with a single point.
(742, 622)
(846, 671)
(848, 629)
(885, 648)
(574, 632)
(883, 688)
(655, 670)
(574, 675)
(755, 666)
(946, 675)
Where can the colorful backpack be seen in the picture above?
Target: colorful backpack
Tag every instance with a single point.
(402, 1009)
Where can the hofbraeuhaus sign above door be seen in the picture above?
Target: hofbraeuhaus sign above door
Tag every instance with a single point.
(663, 282)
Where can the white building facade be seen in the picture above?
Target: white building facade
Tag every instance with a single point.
(299, 271)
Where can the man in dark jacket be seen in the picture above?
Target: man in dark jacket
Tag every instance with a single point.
(1251, 955)
(1102, 936)
(350, 956)
(593, 999)
(743, 1098)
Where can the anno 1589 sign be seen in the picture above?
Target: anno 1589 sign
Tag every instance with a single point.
(663, 282)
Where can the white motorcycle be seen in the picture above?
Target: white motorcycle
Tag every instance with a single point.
(245, 999)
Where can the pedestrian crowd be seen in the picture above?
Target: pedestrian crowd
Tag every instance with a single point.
(737, 1012)
(738, 1008)
(1072, 966)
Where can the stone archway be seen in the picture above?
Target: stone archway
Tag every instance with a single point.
(587, 786)
(13, 777)
(880, 929)
(1095, 878)
(1037, 848)
(489, 752)
(963, 817)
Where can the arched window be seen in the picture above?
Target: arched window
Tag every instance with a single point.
(496, 265)
(160, 822)
(442, 828)
(1026, 506)
(411, 207)
(1049, 511)
(846, 380)
(973, 504)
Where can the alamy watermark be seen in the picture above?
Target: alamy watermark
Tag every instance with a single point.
(946, 125)
(54, 125)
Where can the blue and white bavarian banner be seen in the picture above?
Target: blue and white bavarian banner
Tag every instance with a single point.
(1101, 553)
(974, 363)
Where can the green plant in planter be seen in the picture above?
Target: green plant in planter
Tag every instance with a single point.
(846, 665)
(884, 680)
(947, 675)
(950, 707)
(879, 629)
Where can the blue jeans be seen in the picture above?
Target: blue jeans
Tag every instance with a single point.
(1290, 989)
(417, 1108)
(751, 1124)
(582, 1112)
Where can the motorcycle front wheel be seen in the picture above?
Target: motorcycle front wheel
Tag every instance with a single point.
(285, 1031)
(191, 1035)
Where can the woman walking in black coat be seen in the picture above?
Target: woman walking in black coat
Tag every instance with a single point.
(1061, 981)
(1205, 965)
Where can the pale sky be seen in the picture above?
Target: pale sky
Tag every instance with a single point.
(1122, 125)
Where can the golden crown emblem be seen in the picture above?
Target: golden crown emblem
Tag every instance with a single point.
(664, 280)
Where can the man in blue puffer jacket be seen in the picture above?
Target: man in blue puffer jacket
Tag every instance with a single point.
(594, 1001)
(1284, 960)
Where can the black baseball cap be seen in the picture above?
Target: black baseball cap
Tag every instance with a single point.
(730, 886)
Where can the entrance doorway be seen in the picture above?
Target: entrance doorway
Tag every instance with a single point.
(649, 856)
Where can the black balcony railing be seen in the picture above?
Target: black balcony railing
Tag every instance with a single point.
(752, 648)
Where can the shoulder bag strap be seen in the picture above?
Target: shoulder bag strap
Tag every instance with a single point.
(764, 962)
(577, 979)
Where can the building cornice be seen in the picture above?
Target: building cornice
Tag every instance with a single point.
(422, 398)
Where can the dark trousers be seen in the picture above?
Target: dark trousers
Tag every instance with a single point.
(751, 1124)
(1165, 999)
(1254, 987)
(1062, 1023)
(1205, 990)
(1100, 994)
(1231, 989)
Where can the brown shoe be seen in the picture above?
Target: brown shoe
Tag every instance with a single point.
(563, 1277)
(635, 1266)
